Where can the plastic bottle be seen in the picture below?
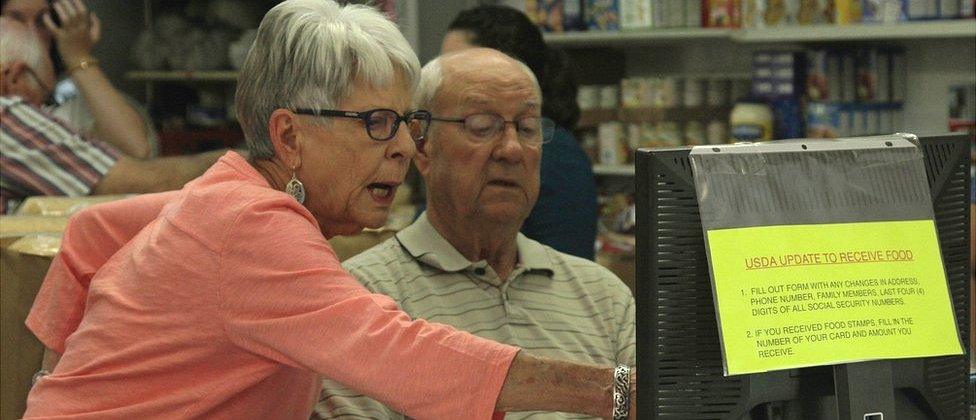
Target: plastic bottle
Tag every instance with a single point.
(751, 121)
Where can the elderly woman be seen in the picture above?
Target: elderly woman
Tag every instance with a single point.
(230, 302)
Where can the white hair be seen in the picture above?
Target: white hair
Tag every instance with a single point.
(308, 54)
(432, 77)
(19, 44)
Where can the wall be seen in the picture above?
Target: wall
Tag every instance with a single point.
(121, 23)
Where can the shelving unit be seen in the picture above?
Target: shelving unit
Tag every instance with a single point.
(816, 33)
(614, 170)
(863, 32)
(625, 38)
(939, 54)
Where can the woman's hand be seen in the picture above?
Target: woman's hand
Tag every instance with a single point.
(78, 33)
(633, 393)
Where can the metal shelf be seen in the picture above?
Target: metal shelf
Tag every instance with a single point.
(961, 28)
(625, 38)
(182, 76)
(905, 30)
(614, 170)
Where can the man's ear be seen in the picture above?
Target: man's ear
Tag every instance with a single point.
(422, 159)
(283, 130)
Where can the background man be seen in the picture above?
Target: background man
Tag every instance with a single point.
(40, 155)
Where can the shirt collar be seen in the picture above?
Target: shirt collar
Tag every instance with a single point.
(427, 245)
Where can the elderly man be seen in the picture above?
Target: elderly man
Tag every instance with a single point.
(464, 262)
(39, 155)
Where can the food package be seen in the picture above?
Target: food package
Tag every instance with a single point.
(814, 12)
(635, 15)
(757, 14)
(723, 13)
(847, 12)
(602, 15)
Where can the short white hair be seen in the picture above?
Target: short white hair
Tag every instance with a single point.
(19, 44)
(308, 54)
(432, 77)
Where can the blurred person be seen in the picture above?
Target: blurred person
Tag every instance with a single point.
(40, 155)
(565, 216)
(100, 111)
(229, 302)
(30, 13)
(463, 262)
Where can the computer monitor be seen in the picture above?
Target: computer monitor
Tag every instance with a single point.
(679, 360)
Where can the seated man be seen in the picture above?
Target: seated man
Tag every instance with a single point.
(39, 155)
(88, 103)
(464, 262)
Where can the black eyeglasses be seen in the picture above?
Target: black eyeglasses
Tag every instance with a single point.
(531, 131)
(380, 124)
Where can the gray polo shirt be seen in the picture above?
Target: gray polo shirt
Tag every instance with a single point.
(553, 304)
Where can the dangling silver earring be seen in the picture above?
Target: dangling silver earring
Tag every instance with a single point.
(296, 189)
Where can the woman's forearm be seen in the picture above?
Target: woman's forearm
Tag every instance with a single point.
(116, 122)
(539, 384)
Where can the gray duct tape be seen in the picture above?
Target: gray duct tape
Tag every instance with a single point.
(794, 182)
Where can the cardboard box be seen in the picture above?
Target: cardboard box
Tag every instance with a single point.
(62, 206)
(29, 244)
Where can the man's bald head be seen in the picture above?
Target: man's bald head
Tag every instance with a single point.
(449, 74)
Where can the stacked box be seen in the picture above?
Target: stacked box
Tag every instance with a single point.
(546, 14)
(815, 12)
(602, 15)
(769, 13)
(660, 11)
(883, 11)
(675, 17)
(847, 12)
(693, 14)
(824, 120)
(866, 81)
(967, 9)
(922, 9)
(950, 9)
(777, 74)
(636, 14)
(573, 15)
(722, 13)
(898, 75)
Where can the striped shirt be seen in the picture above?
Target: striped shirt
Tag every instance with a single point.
(40, 155)
(553, 305)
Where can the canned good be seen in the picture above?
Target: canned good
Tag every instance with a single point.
(718, 92)
(609, 97)
(694, 90)
(588, 97)
(717, 132)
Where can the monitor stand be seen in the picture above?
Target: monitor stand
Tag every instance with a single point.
(865, 391)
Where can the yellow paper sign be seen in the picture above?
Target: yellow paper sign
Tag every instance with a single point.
(810, 295)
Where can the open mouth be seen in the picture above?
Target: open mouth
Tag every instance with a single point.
(503, 183)
(381, 190)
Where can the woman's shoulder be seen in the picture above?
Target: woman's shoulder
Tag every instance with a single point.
(215, 210)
